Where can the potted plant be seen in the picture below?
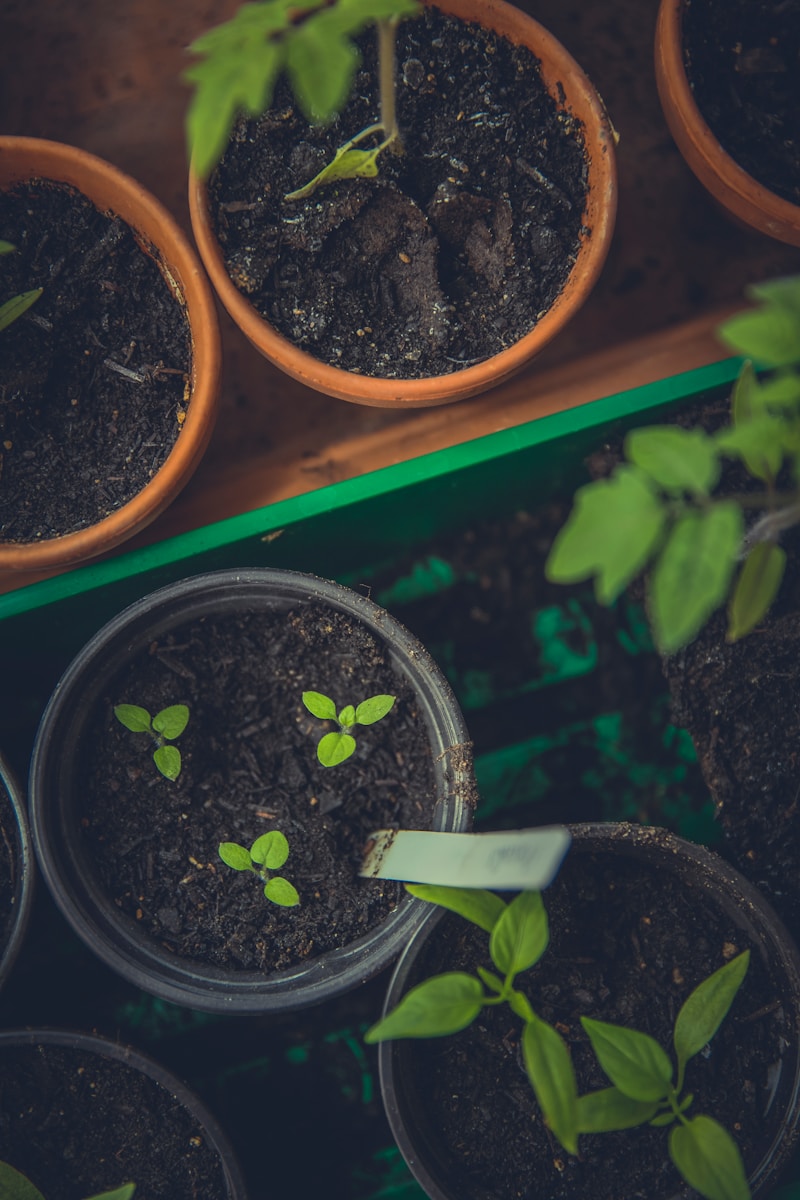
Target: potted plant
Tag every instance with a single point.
(109, 472)
(470, 204)
(625, 1038)
(190, 737)
(16, 869)
(727, 98)
(80, 1114)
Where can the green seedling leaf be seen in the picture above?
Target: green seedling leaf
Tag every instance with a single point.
(320, 706)
(374, 709)
(757, 586)
(780, 393)
(17, 305)
(480, 907)
(439, 1006)
(234, 855)
(334, 748)
(492, 981)
(6, 247)
(281, 892)
(759, 443)
(346, 164)
(693, 573)
(171, 721)
(679, 460)
(347, 717)
(781, 293)
(133, 717)
(125, 1192)
(168, 761)
(549, 1067)
(271, 850)
(745, 397)
(706, 1007)
(16, 1186)
(768, 335)
(709, 1160)
(634, 1062)
(613, 530)
(520, 934)
(610, 1109)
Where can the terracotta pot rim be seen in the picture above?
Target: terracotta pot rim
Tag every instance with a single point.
(144, 214)
(510, 22)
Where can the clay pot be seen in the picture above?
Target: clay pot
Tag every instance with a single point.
(738, 193)
(111, 190)
(559, 71)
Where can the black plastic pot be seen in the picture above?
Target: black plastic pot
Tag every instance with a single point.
(62, 852)
(713, 880)
(18, 854)
(33, 1143)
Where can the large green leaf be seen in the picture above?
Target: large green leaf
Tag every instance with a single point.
(756, 588)
(133, 717)
(679, 460)
(281, 892)
(770, 335)
(709, 1159)
(171, 721)
(321, 66)
(633, 1061)
(320, 706)
(520, 934)
(759, 443)
(271, 849)
(441, 1005)
(610, 1109)
(334, 748)
(236, 856)
(706, 1007)
(481, 907)
(549, 1067)
(374, 709)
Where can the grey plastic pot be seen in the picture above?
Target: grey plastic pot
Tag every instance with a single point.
(20, 867)
(62, 852)
(722, 886)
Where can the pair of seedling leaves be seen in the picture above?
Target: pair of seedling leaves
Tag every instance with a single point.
(163, 728)
(17, 305)
(658, 509)
(645, 1087)
(16, 1186)
(267, 854)
(339, 745)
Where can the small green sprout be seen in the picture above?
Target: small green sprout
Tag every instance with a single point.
(644, 1088)
(163, 727)
(335, 747)
(267, 854)
(17, 305)
(16, 1186)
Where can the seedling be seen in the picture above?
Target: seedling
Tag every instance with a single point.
(16, 1186)
(334, 748)
(17, 305)
(311, 41)
(644, 1087)
(164, 727)
(660, 511)
(267, 854)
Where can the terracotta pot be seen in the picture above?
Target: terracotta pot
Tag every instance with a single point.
(738, 193)
(559, 70)
(111, 190)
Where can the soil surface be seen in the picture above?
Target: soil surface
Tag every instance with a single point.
(249, 765)
(94, 378)
(743, 63)
(457, 248)
(624, 949)
(77, 1124)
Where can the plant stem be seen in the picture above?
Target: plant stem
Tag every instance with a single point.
(387, 28)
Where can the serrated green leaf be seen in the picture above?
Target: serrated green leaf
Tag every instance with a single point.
(692, 575)
(709, 1160)
(125, 1192)
(171, 721)
(759, 443)
(374, 709)
(706, 1007)
(281, 892)
(16, 1186)
(610, 1109)
(334, 748)
(271, 849)
(679, 460)
(17, 305)
(755, 589)
(321, 66)
(320, 706)
(439, 1006)
(480, 907)
(614, 528)
(633, 1061)
(168, 761)
(236, 856)
(133, 717)
(768, 335)
(520, 934)
(549, 1067)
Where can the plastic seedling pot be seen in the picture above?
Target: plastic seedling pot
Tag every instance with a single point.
(19, 868)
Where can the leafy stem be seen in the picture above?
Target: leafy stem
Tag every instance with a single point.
(267, 854)
(164, 727)
(334, 748)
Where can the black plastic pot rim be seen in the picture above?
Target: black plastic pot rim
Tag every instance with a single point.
(24, 883)
(113, 936)
(733, 893)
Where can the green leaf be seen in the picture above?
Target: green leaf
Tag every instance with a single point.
(693, 573)
(768, 335)
(519, 1003)
(745, 395)
(321, 66)
(679, 460)
(281, 892)
(347, 717)
(374, 709)
(16, 1186)
(171, 721)
(481, 907)
(633, 1061)
(6, 247)
(612, 531)
(133, 717)
(663, 1120)
(706, 1007)
(520, 934)
(334, 748)
(780, 393)
(125, 1192)
(756, 588)
(709, 1160)
(168, 761)
(320, 706)
(271, 849)
(442, 1005)
(759, 443)
(236, 856)
(492, 981)
(345, 164)
(549, 1067)
(783, 292)
(17, 305)
(610, 1109)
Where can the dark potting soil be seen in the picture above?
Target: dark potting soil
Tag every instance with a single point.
(94, 379)
(743, 62)
(250, 765)
(77, 1123)
(626, 947)
(459, 246)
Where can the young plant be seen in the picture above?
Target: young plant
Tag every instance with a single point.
(164, 727)
(16, 1186)
(311, 41)
(334, 748)
(661, 510)
(267, 854)
(17, 305)
(644, 1086)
